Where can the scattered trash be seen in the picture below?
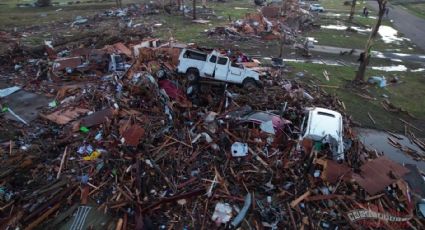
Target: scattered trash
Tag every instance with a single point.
(380, 81)
(122, 132)
(239, 149)
(222, 213)
(6, 92)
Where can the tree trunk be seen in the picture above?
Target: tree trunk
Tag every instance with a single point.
(361, 71)
(282, 43)
(382, 4)
(352, 11)
(194, 10)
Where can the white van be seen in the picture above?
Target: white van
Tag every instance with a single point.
(324, 125)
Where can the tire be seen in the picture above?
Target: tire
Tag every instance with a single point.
(192, 75)
(249, 84)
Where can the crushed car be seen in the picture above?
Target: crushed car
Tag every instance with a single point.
(324, 126)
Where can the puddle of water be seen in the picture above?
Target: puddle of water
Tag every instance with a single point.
(346, 15)
(312, 39)
(418, 70)
(393, 68)
(396, 60)
(374, 139)
(342, 27)
(390, 35)
(314, 61)
(334, 27)
(408, 55)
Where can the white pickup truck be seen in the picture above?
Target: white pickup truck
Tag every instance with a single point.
(196, 65)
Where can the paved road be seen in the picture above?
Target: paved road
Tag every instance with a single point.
(410, 25)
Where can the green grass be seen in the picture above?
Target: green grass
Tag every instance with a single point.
(338, 5)
(347, 39)
(417, 9)
(185, 31)
(12, 16)
(356, 40)
(401, 95)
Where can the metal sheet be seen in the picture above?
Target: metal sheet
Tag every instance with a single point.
(375, 174)
(334, 172)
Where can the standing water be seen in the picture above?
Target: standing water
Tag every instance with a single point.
(374, 139)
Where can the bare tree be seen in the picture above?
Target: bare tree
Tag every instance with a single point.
(119, 3)
(365, 56)
(382, 6)
(352, 11)
(194, 9)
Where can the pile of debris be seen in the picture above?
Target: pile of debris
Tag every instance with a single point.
(137, 148)
(272, 22)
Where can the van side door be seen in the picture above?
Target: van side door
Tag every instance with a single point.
(209, 67)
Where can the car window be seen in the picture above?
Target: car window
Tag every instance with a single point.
(195, 55)
(236, 65)
(304, 124)
(222, 61)
(325, 114)
(213, 59)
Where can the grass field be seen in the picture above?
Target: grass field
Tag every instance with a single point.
(357, 40)
(402, 95)
(12, 16)
(338, 5)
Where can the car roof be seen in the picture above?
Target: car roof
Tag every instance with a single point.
(324, 122)
(260, 116)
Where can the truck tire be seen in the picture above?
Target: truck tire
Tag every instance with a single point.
(192, 75)
(249, 84)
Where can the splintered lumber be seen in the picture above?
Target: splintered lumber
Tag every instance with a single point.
(46, 205)
(409, 124)
(40, 219)
(329, 86)
(174, 198)
(371, 118)
(299, 199)
(119, 224)
(62, 162)
(325, 74)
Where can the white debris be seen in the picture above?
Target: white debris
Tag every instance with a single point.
(239, 149)
(222, 213)
(267, 127)
(7, 91)
(390, 35)
(393, 68)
